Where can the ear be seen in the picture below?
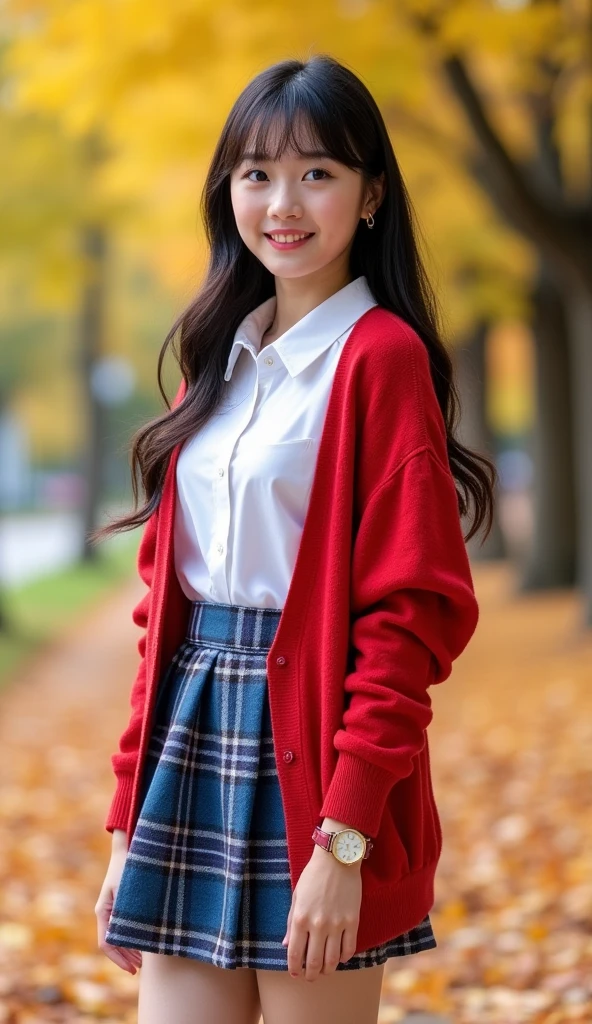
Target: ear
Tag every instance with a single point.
(376, 192)
(379, 189)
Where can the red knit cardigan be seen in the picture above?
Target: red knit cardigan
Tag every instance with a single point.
(380, 603)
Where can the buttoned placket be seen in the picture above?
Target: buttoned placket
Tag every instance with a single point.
(265, 363)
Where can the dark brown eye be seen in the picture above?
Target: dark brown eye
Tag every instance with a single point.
(254, 170)
(319, 170)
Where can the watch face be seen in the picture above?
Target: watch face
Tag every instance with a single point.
(348, 847)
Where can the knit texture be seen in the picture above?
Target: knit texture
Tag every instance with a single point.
(380, 604)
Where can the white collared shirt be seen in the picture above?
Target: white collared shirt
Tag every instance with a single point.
(244, 479)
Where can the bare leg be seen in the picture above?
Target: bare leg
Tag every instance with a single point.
(181, 990)
(350, 997)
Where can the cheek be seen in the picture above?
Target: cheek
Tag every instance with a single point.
(336, 213)
(245, 207)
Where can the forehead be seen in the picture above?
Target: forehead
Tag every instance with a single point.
(295, 140)
(290, 154)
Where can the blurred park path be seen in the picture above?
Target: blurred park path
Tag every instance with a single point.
(510, 745)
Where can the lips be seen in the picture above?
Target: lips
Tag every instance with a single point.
(306, 234)
(289, 246)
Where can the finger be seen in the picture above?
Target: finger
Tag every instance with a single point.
(297, 948)
(103, 913)
(286, 937)
(119, 957)
(332, 951)
(133, 955)
(315, 953)
(348, 943)
(128, 959)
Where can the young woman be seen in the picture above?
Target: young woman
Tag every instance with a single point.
(307, 582)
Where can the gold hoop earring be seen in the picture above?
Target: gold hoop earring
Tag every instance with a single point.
(368, 219)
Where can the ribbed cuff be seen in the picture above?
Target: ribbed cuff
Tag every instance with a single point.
(357, 793)
(118, 814)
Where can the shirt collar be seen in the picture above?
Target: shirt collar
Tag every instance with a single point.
(311, 335)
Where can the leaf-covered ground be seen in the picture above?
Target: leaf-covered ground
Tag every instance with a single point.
(511, 749)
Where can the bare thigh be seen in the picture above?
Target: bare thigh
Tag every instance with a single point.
(350, 997)
(181, 990)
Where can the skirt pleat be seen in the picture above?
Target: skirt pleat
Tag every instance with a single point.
(207, 874)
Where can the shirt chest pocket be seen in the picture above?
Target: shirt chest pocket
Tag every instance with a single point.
(280, 473)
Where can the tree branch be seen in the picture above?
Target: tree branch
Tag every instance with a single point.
(561, 230)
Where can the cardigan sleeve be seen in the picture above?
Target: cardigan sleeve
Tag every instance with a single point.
(413, 612)
(124, 760)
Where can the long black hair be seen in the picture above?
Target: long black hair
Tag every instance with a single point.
(344, 118)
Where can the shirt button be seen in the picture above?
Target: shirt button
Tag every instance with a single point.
(288, 756)
(220, 471)
(220, 548)
(268, 360)
(281, 660)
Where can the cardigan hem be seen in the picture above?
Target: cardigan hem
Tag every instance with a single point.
(391, 909)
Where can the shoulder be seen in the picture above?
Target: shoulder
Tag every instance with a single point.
(385, 340)
(392, 380)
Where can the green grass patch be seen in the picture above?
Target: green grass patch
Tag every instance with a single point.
(39, 610)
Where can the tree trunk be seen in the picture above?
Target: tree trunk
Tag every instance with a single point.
(91, 333)
(533, 201)
(474, 430)
(551, 561)
(579, 312)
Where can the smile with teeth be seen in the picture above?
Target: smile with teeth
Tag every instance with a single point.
(289, 238)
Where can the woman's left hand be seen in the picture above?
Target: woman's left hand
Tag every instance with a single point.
(325, 913)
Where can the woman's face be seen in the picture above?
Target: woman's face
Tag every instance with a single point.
(298, 195)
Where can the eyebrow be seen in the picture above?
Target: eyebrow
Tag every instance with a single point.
(307, 155)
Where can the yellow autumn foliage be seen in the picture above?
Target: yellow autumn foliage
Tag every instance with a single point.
(154, 84)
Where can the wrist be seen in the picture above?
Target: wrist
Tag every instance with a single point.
(118, 839)
(326, 857)
(328, 824)
(333, 825)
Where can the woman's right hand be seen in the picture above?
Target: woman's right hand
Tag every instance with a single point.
(128, 959)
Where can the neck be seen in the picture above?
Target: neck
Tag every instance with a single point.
(295, 297)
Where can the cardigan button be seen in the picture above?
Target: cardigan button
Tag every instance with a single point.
(280, 660)
(288, 756)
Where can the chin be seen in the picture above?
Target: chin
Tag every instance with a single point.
(284, 270)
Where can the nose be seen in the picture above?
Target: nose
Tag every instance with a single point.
(284, 205)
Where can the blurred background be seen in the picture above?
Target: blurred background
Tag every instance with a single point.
(109, 112)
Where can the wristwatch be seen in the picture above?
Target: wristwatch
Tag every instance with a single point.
(347, 846)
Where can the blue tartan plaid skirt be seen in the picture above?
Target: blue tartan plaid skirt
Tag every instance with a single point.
(207, 873)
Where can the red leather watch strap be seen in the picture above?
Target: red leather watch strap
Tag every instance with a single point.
(322, 838)
(325, 839)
